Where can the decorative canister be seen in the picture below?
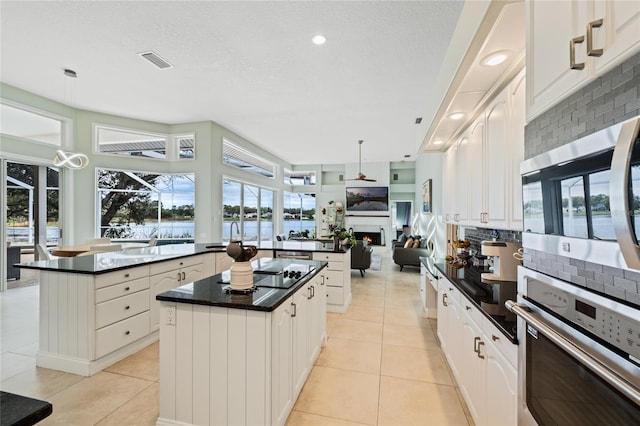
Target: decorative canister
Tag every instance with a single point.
(241, 276)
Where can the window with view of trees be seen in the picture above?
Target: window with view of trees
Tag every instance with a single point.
(138, 205)
(299, 212)
(251, 207)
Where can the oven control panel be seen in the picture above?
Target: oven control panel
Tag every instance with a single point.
(613, 324)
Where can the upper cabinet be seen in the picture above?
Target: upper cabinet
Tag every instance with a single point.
(482, 170)
(570, 43)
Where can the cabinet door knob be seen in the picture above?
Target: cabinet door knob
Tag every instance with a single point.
(127, 289)
(127, 332)
(494, 337)
(572, 53)
(590, 26)
(468, 308)
(126, 275)
(126, 307)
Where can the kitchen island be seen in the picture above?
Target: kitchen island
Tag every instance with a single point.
(96, 310)
(240, 359)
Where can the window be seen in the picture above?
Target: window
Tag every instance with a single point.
(133, 143)
(235, 156)
(299, 178)
(251, 208)
(299, 212)
(138, 205)
(30, 125)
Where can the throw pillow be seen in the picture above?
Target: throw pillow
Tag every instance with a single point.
(402, 238)
(408, 243)
(416, 244)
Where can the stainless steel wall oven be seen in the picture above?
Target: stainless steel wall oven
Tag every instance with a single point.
(579, 355)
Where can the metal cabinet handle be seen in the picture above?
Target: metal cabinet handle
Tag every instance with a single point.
(313, 291)
(444, 299)
(294, 310)
(126, 307)
(126, 289)
(476, 340)
(322, 283)
(184, 276)
(179, 279)
(468, 308)
(494, 337)
(479, 354)
(127, 332)
(590, 26)
(572, 53)
(591, 363)
(309, 296)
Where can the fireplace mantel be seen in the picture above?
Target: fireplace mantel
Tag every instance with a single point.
(370, 223)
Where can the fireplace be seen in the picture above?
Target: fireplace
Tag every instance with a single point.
(373, 238)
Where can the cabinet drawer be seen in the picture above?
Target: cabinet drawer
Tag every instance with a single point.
(335, 266)
(115, 336)
(471, 311)
(122, 289)
(500, 341)
(174, 264)
(333, 278)
(335, 295)
(104, 280)
(329, 257)
(121, 308)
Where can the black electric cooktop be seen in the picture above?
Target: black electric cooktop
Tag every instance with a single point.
(274, 273)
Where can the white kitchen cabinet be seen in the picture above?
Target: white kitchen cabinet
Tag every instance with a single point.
(171, 274)
(551, 26)
(337, 279)
(301, 306)
(282, 398)
(488, 190)
(318, 317)
(428, 292)
(481, 359)
(449, 183)
(477, 183)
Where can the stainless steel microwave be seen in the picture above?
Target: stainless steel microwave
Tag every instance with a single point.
(582, 199)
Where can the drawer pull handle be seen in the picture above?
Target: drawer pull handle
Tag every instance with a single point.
(295, 310)
(481, 343)
(590, 26)
(572, 53)
(184, 275)
(127, 288)
(494, 337)
(127, 332)
(126, 275)
(127, 307)
(476, 346)
(444, 299)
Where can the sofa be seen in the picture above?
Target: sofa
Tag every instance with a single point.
(409, 254)
(361, 256)
(13, 257)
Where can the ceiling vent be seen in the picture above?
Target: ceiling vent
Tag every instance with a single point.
(155, 59)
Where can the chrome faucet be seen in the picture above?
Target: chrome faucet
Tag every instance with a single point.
(231, 230)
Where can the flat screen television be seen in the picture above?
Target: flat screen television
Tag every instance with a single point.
(367, 199)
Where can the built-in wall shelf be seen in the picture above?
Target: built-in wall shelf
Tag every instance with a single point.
(333, 174)
(402, 173)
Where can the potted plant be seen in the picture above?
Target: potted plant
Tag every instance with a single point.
(345, 237)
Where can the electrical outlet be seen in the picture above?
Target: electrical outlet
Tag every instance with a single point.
(566, 247)
(171, 315)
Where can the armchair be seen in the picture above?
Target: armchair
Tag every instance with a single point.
(361, 256)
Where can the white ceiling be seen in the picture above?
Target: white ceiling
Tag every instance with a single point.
(249, 66)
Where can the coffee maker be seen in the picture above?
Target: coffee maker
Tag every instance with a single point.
(503, 266)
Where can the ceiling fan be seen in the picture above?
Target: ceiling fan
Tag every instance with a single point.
(360, 175)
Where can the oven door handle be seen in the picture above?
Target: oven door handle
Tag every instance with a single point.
(619, 193)
(593, 364)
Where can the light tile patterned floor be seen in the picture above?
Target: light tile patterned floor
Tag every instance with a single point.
(382, 366)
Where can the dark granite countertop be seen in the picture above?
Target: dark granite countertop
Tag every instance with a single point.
(211, 291)
(17, 410)
(487, 296)
(101, 263)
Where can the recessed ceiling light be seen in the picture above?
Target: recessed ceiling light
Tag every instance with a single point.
(456, 115)
(437, 142)
(495, 58)
(319, 39)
